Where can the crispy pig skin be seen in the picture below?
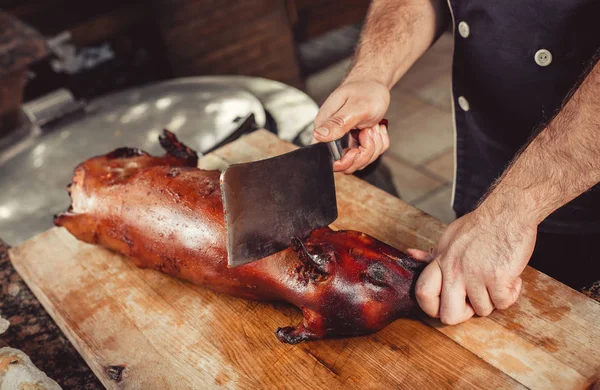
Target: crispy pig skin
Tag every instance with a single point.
(165, 213)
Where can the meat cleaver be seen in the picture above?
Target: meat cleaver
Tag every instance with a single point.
(269, 202)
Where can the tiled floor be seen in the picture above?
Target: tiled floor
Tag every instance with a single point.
(421, 155)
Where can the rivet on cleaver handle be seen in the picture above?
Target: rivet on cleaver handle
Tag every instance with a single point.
(268, 202)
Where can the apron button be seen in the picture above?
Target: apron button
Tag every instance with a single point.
(463, 29)
(463, 103)
(543, 57)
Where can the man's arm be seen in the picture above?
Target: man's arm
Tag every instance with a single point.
(481, 255)
(395, 34)
(560, 163)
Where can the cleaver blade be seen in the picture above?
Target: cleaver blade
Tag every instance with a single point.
(269, 202)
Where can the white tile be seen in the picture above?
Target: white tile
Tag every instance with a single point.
(442, 166)
(418, 130)
(438, 205)
(320, 85)
(409, 182)
(430, 78)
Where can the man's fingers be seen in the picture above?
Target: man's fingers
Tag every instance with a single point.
(420, 255)
(480, 299)
(428, 288)
(346, 161)
(386, 138)
(505, 296)
(366, 150)
(517, 286)
(378, 140)
(454, 308)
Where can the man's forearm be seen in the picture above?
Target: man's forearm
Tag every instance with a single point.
(559, 164)
(395, 34)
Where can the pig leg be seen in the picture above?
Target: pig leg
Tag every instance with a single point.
(311, 328)
(294, 335)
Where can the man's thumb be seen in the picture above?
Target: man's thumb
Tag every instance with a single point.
(332, 129)
(341, 122)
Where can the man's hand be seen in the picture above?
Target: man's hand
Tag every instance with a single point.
(475, 267)
(395, 34)
(481, 255)
(355, 105)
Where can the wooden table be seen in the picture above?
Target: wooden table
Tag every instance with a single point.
(142, 329)
(34, 332)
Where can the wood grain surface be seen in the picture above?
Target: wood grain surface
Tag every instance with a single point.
(141, 329)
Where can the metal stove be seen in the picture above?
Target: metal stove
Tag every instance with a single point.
(59, 132)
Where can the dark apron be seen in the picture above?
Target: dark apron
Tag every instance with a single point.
(514, 63)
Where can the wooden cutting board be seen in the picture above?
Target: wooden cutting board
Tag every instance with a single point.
(140, 329)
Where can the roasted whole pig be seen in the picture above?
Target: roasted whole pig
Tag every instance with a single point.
(165, 213)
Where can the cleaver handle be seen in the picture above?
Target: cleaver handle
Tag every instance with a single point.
(339, 147)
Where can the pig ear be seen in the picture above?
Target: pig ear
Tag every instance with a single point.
(420, 255)
(320, 261)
